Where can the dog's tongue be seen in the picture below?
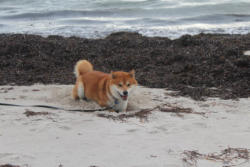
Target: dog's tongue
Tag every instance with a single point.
(124, 97)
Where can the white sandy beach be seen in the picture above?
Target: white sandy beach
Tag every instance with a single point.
(71, 139)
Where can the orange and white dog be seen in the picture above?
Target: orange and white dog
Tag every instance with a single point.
(108, 90)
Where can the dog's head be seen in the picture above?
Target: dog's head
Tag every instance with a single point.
(122, 84)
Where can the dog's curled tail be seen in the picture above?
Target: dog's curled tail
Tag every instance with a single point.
(82, 66)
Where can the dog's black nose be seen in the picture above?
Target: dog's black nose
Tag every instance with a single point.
(125, 93)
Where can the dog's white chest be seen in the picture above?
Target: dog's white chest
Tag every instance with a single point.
(118, 104)
(121, 105)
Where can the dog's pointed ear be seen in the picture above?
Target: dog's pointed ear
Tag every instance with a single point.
(113, 75)
(132, 73)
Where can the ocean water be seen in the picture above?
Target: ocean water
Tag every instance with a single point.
(98, 18)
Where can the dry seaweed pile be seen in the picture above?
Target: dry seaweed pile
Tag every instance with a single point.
(193, 65)
(228, 157)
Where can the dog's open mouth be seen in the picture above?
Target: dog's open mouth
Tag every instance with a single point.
(124, 97)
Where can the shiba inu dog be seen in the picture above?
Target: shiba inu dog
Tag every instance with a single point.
(108, 90)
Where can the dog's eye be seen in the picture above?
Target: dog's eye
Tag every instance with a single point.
(120, 85)
(128, 84)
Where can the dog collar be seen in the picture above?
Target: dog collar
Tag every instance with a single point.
(116, 101)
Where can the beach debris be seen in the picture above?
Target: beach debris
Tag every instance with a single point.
(6, 90)
(229, 157)
(247, 53)
(143, 113)
(178, 110)
(10, 98)
(9, 165)
(35, 90)
(29, 113)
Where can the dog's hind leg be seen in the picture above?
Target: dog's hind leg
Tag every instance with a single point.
(75, 92)
(80, 91)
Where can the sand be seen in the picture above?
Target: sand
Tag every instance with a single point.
(69, 139)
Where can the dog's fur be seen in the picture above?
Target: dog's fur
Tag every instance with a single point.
(108, 90)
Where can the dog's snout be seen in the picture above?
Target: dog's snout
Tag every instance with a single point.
(125, 93)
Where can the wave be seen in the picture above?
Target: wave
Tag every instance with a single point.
(62, 13)
(93, 31)
(180, 12)
(217, 19)
(150, 17)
